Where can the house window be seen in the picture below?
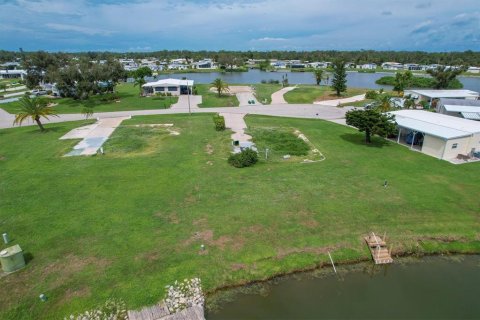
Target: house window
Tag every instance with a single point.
(159, 89)
(172, 88)
(454, 146)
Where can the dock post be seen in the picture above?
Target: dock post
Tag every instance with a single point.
(331, 260)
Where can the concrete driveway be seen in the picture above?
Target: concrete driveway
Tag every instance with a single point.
(183, 102)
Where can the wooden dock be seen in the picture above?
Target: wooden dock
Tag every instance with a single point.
(160, 312)
(378, 249)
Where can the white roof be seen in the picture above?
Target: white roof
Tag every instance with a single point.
(436, 124)
(169, 82)
(457, 108)
(445, 93)
(471, 115)
(13, 71)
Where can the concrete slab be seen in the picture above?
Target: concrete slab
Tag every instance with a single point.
(245, 99)
(94, 136)
(336, 102)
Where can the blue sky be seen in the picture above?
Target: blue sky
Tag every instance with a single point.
(148, 25)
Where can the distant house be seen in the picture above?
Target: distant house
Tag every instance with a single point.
(205, 64)
(12, 74)
(10, 65)
(468, 109)
(350, 65)
(433, 95)
(412, 67)
(392, 66)
(473, 69)
(279, 64)
(298, 65)
(174, 87)
(368, 66)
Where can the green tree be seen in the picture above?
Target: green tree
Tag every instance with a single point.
(339, 81)
(139, 82)
(143, 72)
(221, 86)
(33, 108)
(318, 74)
(402, 81)
(372, 122)
(444, 76)
(409, 102)
(3, 86)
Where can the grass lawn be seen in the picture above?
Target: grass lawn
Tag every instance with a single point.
(129, 100)
(132, 221)
(311, 93)
(212, 100)
(263, 91)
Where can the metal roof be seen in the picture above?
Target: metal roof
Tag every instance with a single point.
(169, 82)
(435, 124)
(458, 108)
(444, 93)
(471, 115)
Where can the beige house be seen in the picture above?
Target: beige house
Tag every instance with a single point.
(438, 135)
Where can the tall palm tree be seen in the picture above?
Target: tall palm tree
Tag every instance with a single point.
(140, 81)
(318, 74)
(33, 108)
(221, 86)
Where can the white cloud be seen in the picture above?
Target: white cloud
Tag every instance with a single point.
(270, 39)
(80, 29)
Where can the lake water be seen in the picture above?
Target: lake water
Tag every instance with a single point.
(354, 79)
(427, 288)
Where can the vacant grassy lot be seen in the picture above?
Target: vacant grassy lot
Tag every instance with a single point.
(212, 100)
(127, 223)
(263, 91)
(310, 93)
(129, 99)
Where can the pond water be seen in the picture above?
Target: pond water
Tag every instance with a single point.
(354, 79)
(427, 288)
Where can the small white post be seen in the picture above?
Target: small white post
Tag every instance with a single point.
(331, 260)
(266, 153)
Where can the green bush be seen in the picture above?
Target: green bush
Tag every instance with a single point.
(245, 158)
(219, 122)
(371, 94)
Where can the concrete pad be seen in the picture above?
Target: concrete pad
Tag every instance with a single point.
(336, 102)
(183, 102)
(95, 136)
(79, 133)
(245, 97)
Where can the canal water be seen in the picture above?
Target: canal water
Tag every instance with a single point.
(427, 288)
(354, 79)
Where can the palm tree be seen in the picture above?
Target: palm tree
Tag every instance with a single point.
(33, 108)
(318, 73)
(140, 81)
(221, 86)
(383, 102)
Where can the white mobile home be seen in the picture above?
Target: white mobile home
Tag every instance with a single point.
(174, 87)
(433, 95)
(438, 135)
(468, 109)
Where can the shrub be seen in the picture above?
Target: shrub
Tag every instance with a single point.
(263, 81)
(245, 158)
(371, 94)
(219, 122)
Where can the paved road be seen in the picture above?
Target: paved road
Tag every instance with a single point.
(277, 97)
(280, 110)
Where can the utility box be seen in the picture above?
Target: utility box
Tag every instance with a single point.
(12, 259)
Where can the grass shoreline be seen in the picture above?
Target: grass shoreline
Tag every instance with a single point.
(327, 264)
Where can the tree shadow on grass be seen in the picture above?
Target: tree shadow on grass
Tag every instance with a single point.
(359, 139)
